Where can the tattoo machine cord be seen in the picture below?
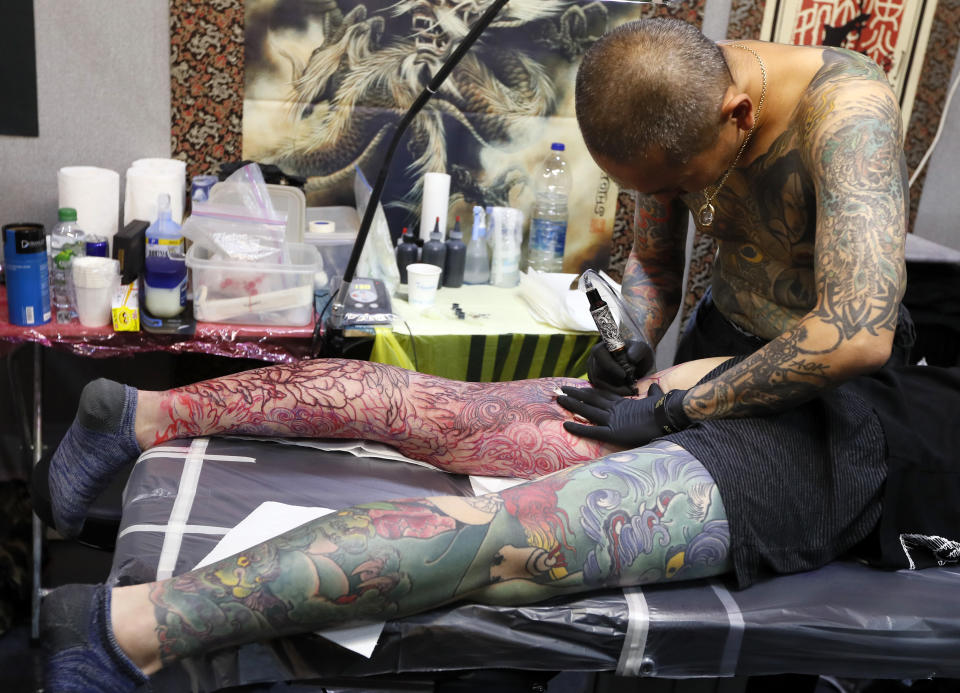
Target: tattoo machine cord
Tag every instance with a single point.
(319, 325)
(413, 347)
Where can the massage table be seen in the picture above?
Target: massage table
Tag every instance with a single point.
(844, 620)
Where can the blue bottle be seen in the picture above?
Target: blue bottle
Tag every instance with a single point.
(165, 267)
(28, 278)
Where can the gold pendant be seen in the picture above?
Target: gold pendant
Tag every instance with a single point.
(705, 214)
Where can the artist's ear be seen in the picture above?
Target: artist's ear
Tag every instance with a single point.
(739, 107)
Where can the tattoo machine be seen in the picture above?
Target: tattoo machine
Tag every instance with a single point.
(612, 317)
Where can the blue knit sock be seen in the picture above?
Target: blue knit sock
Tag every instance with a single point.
(82, 655)
(99, 442)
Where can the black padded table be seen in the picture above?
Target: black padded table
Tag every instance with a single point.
(843, 620)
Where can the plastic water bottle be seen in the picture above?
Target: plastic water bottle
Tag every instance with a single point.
(435, 250)
(455, 264)
(407, 251)
(548, 223)
(477, 270)
(67, 241)
(165, 276)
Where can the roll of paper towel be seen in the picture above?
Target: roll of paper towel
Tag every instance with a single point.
(436, 199)
(95, 193)
(148, 178)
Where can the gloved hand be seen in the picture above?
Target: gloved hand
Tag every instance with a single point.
(606, 374)
(622, 421)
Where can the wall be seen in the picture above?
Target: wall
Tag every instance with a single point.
(938, 215)
(104, 100)
(103, 84)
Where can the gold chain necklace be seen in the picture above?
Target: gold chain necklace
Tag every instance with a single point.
(707, 211)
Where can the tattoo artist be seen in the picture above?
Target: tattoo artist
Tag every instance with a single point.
(791, 158)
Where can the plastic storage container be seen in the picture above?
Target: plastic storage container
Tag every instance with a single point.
(334, 249)
(254, 294)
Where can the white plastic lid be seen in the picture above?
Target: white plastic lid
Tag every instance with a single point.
(94, 272)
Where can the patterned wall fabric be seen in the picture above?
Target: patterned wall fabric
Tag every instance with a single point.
(932, 91)
(206, 82)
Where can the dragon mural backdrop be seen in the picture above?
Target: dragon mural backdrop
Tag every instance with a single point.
(327, 81)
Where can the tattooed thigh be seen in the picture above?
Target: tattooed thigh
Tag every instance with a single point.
(639, 516)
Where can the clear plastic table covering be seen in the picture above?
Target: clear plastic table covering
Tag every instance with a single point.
(844, 620)
(276, 344)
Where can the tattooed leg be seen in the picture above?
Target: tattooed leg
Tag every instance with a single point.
(646, 515)
(496, 429)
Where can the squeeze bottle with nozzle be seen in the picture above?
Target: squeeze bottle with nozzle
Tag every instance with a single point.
(407, 252)
(455, 263)
(435, 251)
(477, 270)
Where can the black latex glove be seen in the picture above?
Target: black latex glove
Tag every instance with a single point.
(605, 373)
(622, 421)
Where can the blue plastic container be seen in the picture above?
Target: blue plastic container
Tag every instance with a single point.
(28, 278)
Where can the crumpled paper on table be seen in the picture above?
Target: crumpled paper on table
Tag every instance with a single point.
(551, 300)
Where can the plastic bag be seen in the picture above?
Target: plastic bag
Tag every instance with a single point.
(378, 259)
(238, 221)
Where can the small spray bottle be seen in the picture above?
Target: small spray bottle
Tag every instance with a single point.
(477, 270)
(609, 329)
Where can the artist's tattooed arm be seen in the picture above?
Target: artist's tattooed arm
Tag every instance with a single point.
(851, 143)
(653, 276)
(634, 517)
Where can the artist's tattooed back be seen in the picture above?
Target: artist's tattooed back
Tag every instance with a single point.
(767, 221)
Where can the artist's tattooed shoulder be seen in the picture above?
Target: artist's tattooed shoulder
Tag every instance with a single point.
(849, 89)
(841, 64)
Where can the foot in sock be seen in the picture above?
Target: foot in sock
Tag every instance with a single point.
(98, 443)
(81, 653)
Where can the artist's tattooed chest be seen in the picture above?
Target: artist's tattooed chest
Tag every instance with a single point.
(765, 227)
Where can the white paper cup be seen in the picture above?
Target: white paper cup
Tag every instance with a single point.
(95, 280)
(422, 281)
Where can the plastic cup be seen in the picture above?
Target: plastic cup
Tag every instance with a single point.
(422, 281)
(95, 280)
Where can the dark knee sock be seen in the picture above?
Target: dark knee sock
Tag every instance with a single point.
(82, 654)
(100, 441)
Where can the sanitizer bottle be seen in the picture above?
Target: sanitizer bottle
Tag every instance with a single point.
(477, 270)
(165, 276)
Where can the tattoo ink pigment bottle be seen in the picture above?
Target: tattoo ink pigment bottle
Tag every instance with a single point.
(609, 330)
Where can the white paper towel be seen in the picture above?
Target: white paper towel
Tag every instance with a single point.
(148, 178)
(436, 199)
(95, 193)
